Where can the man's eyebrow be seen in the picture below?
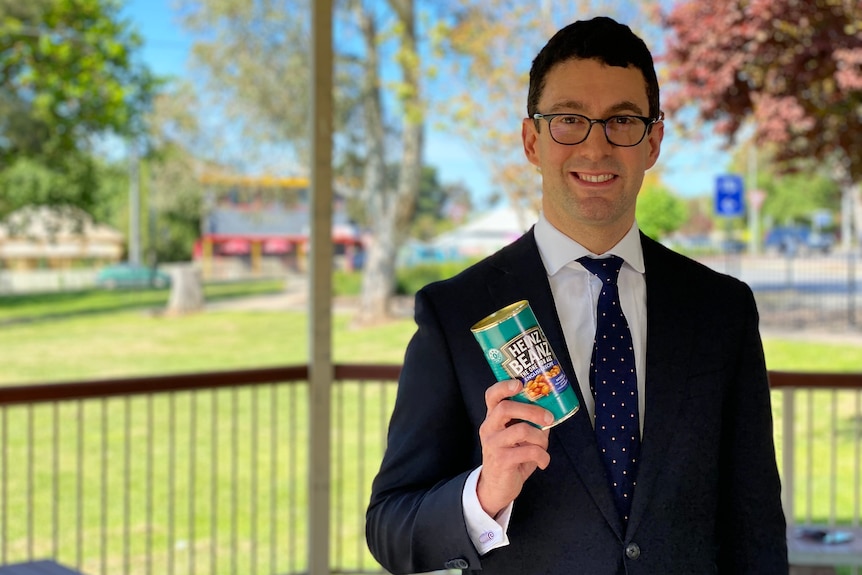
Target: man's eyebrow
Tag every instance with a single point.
(567, 106)
(576, 106)
(625, 107)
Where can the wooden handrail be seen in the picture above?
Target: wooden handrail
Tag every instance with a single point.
(781, 379)
(90, 389)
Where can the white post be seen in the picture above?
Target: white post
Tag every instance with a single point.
(320, 288)
(787, 446)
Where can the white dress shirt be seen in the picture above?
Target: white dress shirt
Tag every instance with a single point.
(576, 295)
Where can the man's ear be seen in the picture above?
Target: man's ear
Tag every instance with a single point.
(654, 139)
(530, 139)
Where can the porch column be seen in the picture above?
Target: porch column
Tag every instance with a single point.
(320, 288)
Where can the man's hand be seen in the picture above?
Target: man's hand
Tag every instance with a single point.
(512, 449)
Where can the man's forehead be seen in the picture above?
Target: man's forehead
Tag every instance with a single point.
(579, 85)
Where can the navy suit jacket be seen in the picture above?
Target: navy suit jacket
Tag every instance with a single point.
(708, 496)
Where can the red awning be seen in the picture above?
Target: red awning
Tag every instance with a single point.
(234, 247)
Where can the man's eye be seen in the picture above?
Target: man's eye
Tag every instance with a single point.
(622, 120)
(571, 120)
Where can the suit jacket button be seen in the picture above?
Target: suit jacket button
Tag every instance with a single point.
(459, 563)
(633, 551)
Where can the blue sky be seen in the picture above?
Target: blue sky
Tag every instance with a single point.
(689, 168)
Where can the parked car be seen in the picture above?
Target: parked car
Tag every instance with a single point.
(791, 240)
(127, 275)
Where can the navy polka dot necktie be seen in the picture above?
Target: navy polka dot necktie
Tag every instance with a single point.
(613, 381)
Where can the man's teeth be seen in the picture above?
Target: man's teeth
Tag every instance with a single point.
(598, 179)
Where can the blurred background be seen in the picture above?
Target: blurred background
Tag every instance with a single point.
(155, 229)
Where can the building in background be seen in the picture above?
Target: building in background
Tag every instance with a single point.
(57, 238)
(261, 225)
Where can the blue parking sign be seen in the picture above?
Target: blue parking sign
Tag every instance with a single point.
(728, 195)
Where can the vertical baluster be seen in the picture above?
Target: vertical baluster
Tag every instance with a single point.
(788, 445)
(254, 486)
(809, 493)
(214, 509)
(80, 486)
(192, 490)
(104, 488)
(127, 485)
(55, 483)
(234, 491)
(171, 539)
(150, 480)
(293, 477)
(273, 476)
(30, 481)
(833, 456)
(360, 471)
(339, 475)
(4, 488)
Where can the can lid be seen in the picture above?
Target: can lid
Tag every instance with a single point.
(499, 316)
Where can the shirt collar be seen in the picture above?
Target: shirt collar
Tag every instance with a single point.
(558, 250)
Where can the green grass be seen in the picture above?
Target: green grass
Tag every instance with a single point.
(52, 306)
(92, 334)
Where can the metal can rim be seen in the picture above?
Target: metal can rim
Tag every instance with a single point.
(499, 316)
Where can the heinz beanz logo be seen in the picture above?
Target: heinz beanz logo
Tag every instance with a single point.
(527, 353)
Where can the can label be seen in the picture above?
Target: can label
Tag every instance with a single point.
(516, 348)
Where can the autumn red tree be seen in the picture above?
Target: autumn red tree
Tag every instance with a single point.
(793, 68)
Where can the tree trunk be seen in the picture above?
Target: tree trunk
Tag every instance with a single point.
(378, 278)
(389, 207)
(187, 294)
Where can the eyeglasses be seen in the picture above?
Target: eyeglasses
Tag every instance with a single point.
(622, 131)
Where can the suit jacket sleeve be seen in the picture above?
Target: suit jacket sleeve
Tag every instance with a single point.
(415, 521)
(752, 538)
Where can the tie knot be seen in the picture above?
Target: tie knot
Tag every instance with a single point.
(606, 269)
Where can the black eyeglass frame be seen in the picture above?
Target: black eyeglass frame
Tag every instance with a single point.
(647, 121)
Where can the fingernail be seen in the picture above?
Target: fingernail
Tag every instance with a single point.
(514, 384)
(549, 417)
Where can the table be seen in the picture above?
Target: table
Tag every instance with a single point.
(43, 567)
(805, 551)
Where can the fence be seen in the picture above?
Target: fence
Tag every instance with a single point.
(207, 473)
(801, 292)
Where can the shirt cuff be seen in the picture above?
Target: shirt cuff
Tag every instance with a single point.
(485, 532)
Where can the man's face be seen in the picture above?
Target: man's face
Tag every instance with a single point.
(591, 188)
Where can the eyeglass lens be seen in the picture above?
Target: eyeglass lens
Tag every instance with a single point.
(620, 130)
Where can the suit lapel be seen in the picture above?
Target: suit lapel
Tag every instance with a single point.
(669, 339)
(575, 436)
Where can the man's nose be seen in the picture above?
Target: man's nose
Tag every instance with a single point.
(597, 142)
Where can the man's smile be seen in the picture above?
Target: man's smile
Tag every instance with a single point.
(594, 178)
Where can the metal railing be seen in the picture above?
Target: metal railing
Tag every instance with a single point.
(796, 291)
(207, 473)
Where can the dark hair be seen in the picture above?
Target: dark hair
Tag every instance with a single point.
(602, 39)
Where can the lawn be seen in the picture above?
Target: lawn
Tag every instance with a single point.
(93, 334)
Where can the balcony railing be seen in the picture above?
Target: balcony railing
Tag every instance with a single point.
(208, 473)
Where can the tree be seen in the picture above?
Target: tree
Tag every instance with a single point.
(793, 69)
(439, 208)
(256, 59)
(659, 211)
(67, 77)
(171, 172)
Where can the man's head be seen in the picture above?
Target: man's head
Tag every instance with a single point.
(594, 129)
(601, 39)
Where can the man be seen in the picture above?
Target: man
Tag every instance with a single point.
(468, 483)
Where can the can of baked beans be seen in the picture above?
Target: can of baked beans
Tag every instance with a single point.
(516, 348)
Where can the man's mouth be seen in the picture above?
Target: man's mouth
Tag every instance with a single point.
(594, 178)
